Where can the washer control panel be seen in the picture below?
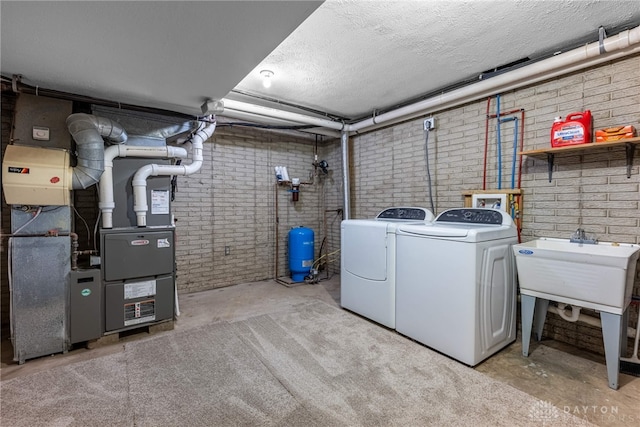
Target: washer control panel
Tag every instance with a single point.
(471, 216)
(418, 214)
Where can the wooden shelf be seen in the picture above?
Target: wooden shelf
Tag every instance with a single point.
(629, 145)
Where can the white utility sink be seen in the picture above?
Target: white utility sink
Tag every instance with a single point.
(596, 276)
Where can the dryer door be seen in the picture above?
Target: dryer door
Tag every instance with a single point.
(364, 249)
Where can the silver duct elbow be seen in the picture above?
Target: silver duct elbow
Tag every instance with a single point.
(88, 132)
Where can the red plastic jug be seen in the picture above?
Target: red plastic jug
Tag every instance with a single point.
(575, 129)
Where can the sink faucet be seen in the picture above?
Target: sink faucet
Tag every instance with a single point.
(580, 236)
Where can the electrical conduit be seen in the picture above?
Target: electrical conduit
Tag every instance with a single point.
(140, 207)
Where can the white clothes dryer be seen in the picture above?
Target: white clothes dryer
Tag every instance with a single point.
(456, 283)
(368, 262)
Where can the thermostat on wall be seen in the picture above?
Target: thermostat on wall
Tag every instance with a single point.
(40, 133)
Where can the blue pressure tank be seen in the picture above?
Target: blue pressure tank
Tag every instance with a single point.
(300, 252)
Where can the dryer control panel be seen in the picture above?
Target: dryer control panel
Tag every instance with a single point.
(406, 213)
(472, 216)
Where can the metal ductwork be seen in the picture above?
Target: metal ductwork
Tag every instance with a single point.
(88, 132)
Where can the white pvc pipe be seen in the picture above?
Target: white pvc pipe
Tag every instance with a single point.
(585, 318)
(346, 190)
(564, 63)
(280, 114)
(618, 46)
(106, 200)
(140, 178)
(575, 312)
(242, 115)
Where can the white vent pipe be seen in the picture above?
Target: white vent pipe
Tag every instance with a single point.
(618, 46)
(106, 200)
(250, 117)
(614, 47)
(87, 131)
(140, 207)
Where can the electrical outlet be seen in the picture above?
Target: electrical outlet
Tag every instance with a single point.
(430, 123)
(227, 250)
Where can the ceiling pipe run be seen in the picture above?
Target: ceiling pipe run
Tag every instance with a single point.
(250, 117)
(239, 106)
(618, 46)
(139, 181)
(614, 47)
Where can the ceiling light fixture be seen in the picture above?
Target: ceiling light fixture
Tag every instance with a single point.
(266, 78)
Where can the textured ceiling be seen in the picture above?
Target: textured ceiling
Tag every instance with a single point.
(163, 54)
(348, 58)
(352, 57)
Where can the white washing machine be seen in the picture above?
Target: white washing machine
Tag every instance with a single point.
(368, 258)
(456, 283)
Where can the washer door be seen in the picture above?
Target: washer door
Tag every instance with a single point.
(364, 249)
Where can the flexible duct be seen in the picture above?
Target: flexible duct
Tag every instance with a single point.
(87, 131)
(140, 207)
(106, 200)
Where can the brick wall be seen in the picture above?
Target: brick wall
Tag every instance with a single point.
(589, 189)
(231, 203)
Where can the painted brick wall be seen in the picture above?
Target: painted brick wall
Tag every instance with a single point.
(589, 189)
(231, 203)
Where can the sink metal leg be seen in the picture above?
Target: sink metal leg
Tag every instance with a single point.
(539, 317)
(612, 335)
(527, 307)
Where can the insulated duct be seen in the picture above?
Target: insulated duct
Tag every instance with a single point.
(106, 200)
(203, 133)
(87, 131)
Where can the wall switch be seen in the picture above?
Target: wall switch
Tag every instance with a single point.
(430, 123)
(227, 250)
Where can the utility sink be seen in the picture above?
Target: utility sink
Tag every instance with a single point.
(597, 276)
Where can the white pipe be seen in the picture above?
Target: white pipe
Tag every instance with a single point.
(140, 178)
(256, 118)
(589, 320)
(564, 63)
(618, 46)
(106, 201)
(280, 114)
(575, 312)
(346, 193)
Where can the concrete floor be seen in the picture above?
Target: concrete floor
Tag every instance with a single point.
(573, 380)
